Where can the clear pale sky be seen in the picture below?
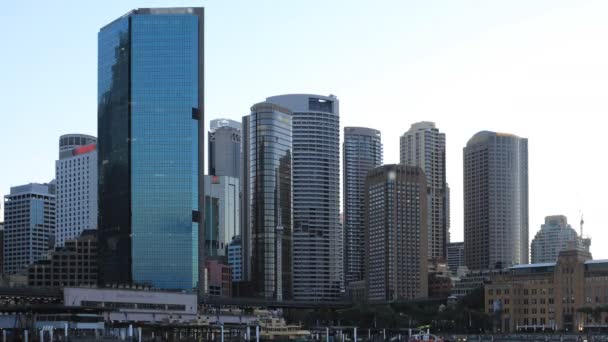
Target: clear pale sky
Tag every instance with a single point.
(538, 69)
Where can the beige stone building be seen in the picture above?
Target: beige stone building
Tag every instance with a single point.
(568, 295)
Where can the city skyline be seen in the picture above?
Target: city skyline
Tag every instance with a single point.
(478, 62)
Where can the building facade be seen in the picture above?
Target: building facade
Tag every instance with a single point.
(29, 225)
(225, 148)
(495, 201)
(131, 305)
(2, 247)
(76, 177)
(317, 237)
(553, 237)
(73, 264)
(226, 191)
(361, 152)
(150, 148)
(424, 146)
(235, 259)
(219, 279)
(267, 198)
(563, 295)
(440, 281)
(455, 256)
(396, 234)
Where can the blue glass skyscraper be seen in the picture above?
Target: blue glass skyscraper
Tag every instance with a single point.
(150, 125)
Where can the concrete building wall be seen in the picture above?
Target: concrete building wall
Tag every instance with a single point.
(424, 146)
(29, 225)
(76, 176)
(396, 234)
(495, 200)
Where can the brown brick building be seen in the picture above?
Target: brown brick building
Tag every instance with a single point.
(566, 295)
(396, 233)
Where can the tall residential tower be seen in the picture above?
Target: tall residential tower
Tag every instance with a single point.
(495, 201)
(362, 152)
(554, 236)
(317, 235)
(150, 148)
(424, 146)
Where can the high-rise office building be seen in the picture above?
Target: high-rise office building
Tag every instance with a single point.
(226, 191)
(554, 236)
(362, 152)
(225, 148)
(424, 146)
(267, 198)
(76, 176)
(150, 148)
(495, 200)
(317, 237)
(396, 233)
(455, 257)
(29, 225)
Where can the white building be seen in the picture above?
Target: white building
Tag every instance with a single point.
(29, 225)
(76, 175)
(553, 237)
(126, 305)
(226, 190)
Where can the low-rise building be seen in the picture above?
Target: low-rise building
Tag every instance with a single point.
(469, 281)
(567, 295)
(440, 282)
(131, 305)
(219, 279)
(74, 264)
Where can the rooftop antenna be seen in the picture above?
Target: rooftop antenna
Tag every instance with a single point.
(582, 223)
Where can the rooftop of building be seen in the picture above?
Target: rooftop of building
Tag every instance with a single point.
(32, 188)
(540, 264)
(483, 136)
(355, 130)
(158, 11)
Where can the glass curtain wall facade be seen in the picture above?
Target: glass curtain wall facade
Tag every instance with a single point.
(362, 152)
(268, 206)
(317, 239)
(495, 201)
(150, 122)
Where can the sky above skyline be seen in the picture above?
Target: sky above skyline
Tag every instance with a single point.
(536, 69)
